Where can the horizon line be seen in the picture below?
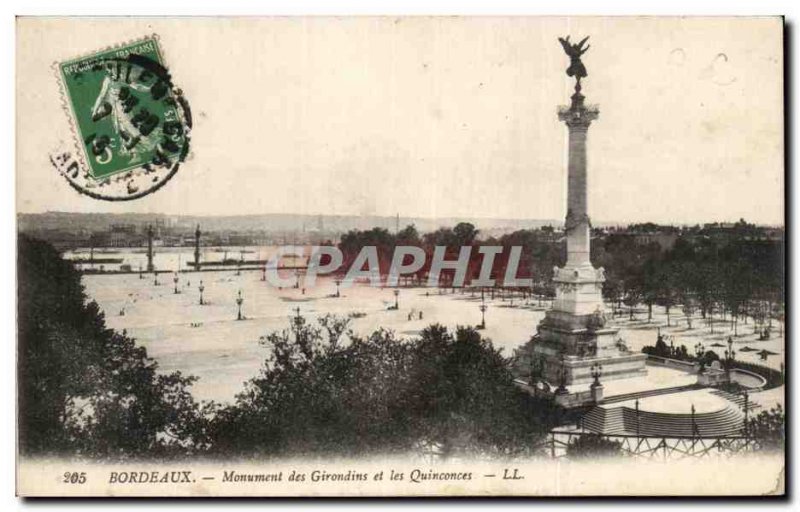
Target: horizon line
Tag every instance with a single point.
(413, 217)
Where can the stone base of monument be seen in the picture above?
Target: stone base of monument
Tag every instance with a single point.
(568, 346)
(579, 370)
(569, 357)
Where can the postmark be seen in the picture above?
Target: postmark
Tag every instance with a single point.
(131, 124)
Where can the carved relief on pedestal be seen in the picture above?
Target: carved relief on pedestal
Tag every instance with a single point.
(566, 287)
(597, 320)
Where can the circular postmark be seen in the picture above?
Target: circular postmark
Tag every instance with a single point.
(132, 124)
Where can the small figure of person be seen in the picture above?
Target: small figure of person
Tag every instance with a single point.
(420, 315)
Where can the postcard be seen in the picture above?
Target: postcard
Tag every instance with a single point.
(400, 256)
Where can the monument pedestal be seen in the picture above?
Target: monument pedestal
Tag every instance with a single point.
(573, 336)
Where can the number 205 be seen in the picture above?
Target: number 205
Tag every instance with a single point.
(71, 477)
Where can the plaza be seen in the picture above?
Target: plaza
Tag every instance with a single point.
(209, 342)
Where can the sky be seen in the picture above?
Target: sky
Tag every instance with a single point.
(437, 117)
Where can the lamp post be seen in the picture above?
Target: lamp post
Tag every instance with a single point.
(298, 325)
(264, 273)
(396, 298)
(140, 272)
(297, 318)
(239, 301)
(562, 378)
(730, 357)
(175, 280)
(155, 278)
(483, 308)
(746, 409)
(700, 350)
(338, 282)
(201, 288)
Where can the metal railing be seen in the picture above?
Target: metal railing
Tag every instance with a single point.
(658, 447)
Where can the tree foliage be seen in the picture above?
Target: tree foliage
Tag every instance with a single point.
(769, 429)
(85, 389)
(323, 390)
(734, 270)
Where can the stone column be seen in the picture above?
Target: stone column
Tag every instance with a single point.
(150, 266)
(197, 248)
(577, 118)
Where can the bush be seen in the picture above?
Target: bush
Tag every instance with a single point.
(768, 428)
(773, 377)
(593, 446)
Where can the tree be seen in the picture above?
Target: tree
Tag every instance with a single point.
(612, 290)
(651, 286)
(464, 233)
(768, 428)
(408, 236)
(632, 290)
(85, 389)
(708, 357)
(666, 285)
(737, 290)
(759, 310)
(689, 307)
(331, 392)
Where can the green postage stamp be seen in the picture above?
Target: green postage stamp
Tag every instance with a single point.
(132, 126)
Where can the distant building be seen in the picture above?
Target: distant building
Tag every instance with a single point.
(664, 240)
(122, 235)
(742, 231)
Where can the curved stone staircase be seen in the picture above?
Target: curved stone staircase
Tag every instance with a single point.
(651, 392)
(623, 421)
(737, 399)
